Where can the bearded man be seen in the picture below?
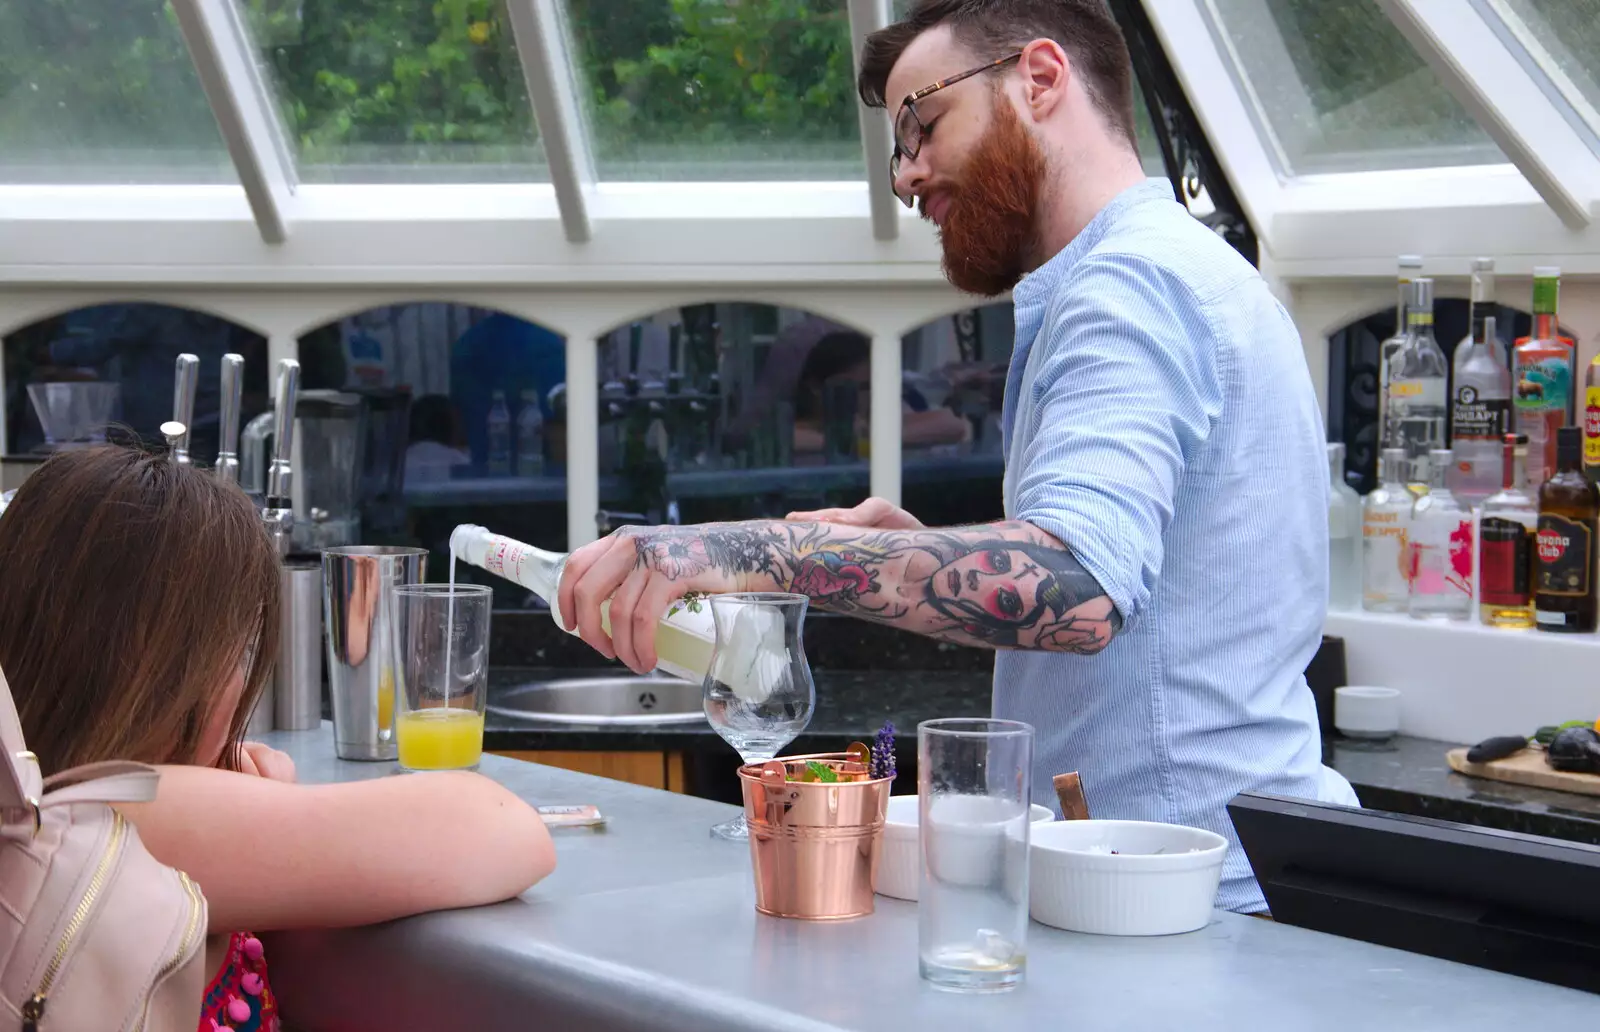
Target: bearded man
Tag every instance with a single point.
(1159, 584)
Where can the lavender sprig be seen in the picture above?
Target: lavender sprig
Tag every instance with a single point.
(881, 762)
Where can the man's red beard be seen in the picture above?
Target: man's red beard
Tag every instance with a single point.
(990, 225)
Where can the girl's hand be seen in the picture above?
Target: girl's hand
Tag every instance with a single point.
(266, 762)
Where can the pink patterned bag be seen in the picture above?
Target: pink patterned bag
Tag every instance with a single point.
(95, 934)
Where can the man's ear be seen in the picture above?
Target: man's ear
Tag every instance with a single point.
(1047, 73)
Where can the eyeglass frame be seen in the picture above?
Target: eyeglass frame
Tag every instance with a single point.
(909, 107)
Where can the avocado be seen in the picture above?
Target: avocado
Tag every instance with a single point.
(1575, 749)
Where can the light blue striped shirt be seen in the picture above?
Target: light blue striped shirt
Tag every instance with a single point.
(1160, 421)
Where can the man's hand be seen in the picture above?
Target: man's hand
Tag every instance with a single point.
(266, 762)
(643, 570)
(878, 513)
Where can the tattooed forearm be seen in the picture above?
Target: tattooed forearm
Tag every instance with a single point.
(1002, 585)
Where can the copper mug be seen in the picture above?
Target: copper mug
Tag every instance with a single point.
(814, 845)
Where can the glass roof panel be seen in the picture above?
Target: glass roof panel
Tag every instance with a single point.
(1563, 39)
(1335, 87)
(378, 91)
(102, 91)
(717, 90)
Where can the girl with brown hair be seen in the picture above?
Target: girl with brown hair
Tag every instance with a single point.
(138, 615)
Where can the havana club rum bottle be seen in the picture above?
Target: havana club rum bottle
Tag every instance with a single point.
(1569, 520)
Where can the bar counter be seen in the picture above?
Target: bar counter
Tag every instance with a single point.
(650, 924)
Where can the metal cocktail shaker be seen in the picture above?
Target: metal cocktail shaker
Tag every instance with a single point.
(358, 583)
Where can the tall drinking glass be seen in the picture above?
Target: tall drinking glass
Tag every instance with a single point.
(758, 692)
(973, 784)
(444, 674)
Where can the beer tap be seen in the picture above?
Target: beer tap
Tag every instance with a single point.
(183, 404)
(227, 470)
(279, 511)
(174, 432)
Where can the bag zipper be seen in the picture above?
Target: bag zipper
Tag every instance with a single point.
(185, 945)
(33, 1007)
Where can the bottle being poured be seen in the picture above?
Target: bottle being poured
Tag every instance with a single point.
(685, 637)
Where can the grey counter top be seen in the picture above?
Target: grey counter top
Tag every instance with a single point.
(650, 924)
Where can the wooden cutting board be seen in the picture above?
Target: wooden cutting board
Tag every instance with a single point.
(1529, 768)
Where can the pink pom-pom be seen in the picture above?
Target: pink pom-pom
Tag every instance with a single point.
(253, 948)
(238, 1010)
(252, 984)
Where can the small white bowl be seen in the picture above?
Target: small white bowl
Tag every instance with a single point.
(899, 859)
(1162, 879)
(1362, 711)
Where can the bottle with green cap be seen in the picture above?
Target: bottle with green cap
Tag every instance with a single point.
(1541, 389)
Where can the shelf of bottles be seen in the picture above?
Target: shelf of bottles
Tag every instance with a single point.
(1487, 509)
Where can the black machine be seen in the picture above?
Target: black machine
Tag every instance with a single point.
(1521, 904)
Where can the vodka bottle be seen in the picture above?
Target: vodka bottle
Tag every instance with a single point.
(1509, 520)
(1441, 541)
(1386, 543)
(1481, 405)
(530, 437)
(1410, 268)
(1344, 536)
(1418, 383)
(499, 436)
(1543, 375)
(685, 637)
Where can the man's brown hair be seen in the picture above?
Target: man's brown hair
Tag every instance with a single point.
(992, 29)
(131, 590)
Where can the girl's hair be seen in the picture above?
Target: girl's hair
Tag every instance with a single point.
(132, 589)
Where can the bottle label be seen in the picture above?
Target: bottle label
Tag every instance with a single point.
(1504, 562)
(1543, 383)
(1476, 418)
(1441, 558)
(1566, 553)
(507, 558)
(1591, 427)
(1418, 392)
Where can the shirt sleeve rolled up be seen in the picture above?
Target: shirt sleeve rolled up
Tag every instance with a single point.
(1124, 393)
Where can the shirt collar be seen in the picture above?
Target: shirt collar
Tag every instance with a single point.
(1034, 289)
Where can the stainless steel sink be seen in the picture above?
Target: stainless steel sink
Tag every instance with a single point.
(653, 699)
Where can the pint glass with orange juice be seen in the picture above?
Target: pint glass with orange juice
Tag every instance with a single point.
(443, 675)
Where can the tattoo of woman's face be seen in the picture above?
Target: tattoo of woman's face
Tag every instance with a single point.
(996, 590)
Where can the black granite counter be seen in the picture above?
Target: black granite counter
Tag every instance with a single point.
(1404, 775)
(1410, 775)
(867, 674)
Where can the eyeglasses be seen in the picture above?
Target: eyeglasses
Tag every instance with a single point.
(908, 125)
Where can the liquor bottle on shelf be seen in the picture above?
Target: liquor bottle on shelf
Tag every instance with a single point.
(1507, 525)
(530, 437)
(1542, 376)
(499, 436)
(1410, 267)
(1591, 421)
(1419, 378)
(1483, 306)
(1481, 410)
(1344, 536)
(1441, 546)
(1569, 519)
(1385, 537)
